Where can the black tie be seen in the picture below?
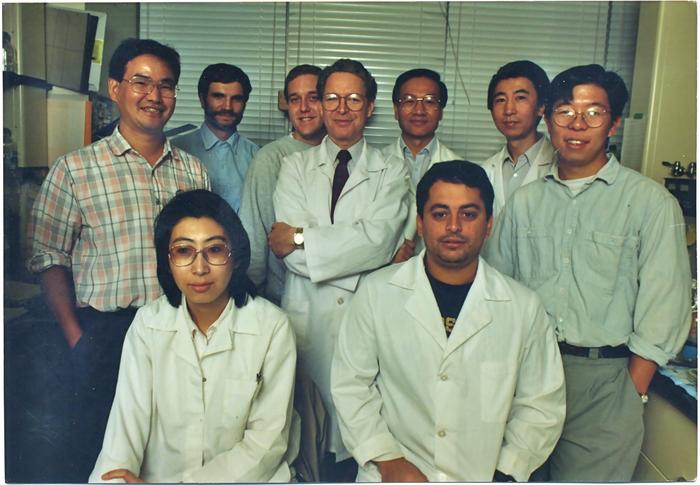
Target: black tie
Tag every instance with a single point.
(340, 177)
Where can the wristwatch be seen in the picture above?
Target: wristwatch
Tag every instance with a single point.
(299, 238)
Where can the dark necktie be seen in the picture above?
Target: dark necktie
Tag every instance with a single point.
(340, 177)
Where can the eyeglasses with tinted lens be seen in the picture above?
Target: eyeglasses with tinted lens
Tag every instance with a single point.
(353, 101)
(146, 85)
(409, 102)
(184, 255)
(593, 117)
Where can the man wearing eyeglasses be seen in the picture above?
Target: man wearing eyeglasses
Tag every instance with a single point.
(605, 249)
(516, 98)
(91, 232)
(223, 91)
(419, 98)
(257, 212)
(340, 208)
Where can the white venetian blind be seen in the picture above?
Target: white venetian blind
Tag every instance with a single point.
(388, 38)
(248, 35)
(484, 36)
(466, 42)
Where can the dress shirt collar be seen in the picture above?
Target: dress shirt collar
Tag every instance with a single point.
(529, 155)
(119, 146)
(210, 140)
(428, 149)
(355, 150)
(607, 173)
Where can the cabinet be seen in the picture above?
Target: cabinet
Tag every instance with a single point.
(669, 450)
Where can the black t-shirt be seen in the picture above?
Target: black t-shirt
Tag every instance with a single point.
(450, 299)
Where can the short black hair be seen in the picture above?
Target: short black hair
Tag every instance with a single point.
(223, 73)
(562, 87)
(297, 71)
(527, 69)
(130, 48)
(455, 172)
(353, 67)
(420, 72)
(203, 203)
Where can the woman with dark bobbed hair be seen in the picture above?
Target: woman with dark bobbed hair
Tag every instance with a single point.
(207, 370)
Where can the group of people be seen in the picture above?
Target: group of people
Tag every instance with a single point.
(441, 320)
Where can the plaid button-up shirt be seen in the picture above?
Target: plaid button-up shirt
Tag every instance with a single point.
(95, 213)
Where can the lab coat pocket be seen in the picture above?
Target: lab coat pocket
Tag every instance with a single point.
(496, 391)
(238, 398)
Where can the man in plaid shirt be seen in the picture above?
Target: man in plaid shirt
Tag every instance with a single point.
(91, 231)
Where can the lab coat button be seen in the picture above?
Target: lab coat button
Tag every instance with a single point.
(340, 301)
(569, 231)
(443, 377)
(441, 433)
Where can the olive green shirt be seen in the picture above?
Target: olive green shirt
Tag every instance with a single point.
(610, 263)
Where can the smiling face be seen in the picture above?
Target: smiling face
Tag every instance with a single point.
(419, 123)
(515, 109)
(223, 108)
(582, 149)
(304, 109)
(204, 285)
(143, 114)
(346, 127)
(454, 226)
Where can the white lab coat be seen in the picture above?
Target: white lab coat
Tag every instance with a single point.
(440, 154)
(494, 169)
(490, 397)
(322, 277)
(226, 420)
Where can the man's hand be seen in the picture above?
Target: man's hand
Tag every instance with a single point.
(405, 251)
(281, 239)
(122, 473)
(641, 371)
(57, 287)
(400, 470)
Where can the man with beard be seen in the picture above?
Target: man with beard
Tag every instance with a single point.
(419, 98)
(445, 369)
(257, 213)
(223, 92)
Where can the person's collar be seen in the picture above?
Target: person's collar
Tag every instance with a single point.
(332, 149)
(209, 139)
(607, 173)
(219, 322)
(530, 154)
(429, 148)
(119, 145)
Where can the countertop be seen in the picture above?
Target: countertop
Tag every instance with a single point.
(676, 384)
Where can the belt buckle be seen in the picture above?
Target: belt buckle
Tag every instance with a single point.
(593, 353)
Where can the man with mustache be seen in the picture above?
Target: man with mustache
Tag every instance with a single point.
(257, 213)
(419, 97)
(516, 99)
(605, 248)
(223, 93)
(340, 208)
(91, 232)
(446, 370)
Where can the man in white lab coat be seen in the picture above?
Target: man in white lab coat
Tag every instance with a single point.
(516, 99)
(419, 98)
(340, 208)
(445, 369)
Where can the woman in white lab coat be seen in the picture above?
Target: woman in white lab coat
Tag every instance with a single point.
(207, 370)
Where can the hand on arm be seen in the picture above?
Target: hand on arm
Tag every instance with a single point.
(400, 470)
(405, 252)
(281, 239)
(122, 473)
(57, 287)
(642, 372)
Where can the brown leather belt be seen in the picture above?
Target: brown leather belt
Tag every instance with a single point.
(606, 352)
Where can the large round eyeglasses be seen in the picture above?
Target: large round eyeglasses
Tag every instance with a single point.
(410, 102)
(146, 85)
(353, 101)
(184, 255)
(593, 117)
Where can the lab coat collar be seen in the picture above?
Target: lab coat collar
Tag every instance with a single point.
(474, 315)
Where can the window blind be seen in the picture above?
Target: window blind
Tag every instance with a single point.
(465, 41)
